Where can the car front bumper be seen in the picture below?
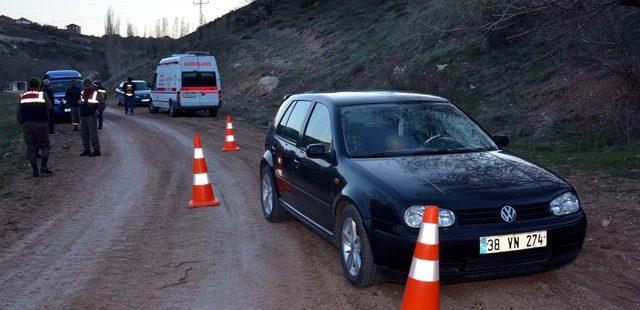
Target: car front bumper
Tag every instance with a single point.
(460, 260)
(61, 110)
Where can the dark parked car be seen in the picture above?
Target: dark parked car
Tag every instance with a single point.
(358, 169)
(143, 93)
(60, 82)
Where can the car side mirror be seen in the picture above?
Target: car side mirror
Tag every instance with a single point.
(316, 150)
(501, 140)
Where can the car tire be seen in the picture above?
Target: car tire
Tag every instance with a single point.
(213, 112)
(152, 108)
(172, 109)
(366, 274)
(271, 208)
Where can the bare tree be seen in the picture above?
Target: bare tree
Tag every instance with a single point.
(175, 29)
(158, 29)
(165, 26)
(185, 28)
(109, 22)
(131, 30)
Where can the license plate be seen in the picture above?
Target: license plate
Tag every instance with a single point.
(189, 95)
(67, 110)
(145, 100)
(514, 242)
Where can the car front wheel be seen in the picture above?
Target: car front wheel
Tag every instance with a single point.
(355, 251)
(271, 208)
(152, 108)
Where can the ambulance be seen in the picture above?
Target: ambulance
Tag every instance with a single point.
(187, 82)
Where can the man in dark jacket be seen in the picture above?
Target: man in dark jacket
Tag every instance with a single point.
(129, 89)
(73, 99)
(33, 115)
(91, 105)
(49, 92)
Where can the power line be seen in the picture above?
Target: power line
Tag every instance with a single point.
(200, 3)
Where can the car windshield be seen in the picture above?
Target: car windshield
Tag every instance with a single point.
(141, 85)
(399, 129)
(63, 85)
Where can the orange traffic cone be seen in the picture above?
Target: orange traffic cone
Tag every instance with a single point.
(230, 141)
(423, 285)
(202, 190)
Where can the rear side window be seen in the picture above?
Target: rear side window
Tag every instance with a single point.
(199, 79)
(296, 120)
(319, 128)
(283, 121)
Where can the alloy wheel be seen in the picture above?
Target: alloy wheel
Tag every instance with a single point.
(267, 194)
(351, 247)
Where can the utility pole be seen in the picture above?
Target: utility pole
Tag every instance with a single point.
(200, 3)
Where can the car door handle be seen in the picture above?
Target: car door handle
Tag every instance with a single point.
(297, 163)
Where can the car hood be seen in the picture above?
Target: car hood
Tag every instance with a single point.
(143, 92)
(448, 174)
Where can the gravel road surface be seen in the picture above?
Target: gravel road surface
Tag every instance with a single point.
(115, 232)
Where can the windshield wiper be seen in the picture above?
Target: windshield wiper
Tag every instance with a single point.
(380, 154)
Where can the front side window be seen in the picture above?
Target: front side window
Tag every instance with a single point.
(319, 128)
(296, 120)
(397, 129)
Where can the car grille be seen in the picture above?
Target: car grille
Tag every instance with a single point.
(492, 215)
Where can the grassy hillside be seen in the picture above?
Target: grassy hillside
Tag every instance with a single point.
(561, 78)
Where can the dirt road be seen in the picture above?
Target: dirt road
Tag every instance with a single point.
(115, 232)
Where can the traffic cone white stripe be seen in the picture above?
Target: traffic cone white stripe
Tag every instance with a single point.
(197, 153)
(200, 179)
(424, 270)
(229, 126)
(230, 138)
(428, 234)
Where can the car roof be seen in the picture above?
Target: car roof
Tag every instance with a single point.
(60, 74)
(366, 97)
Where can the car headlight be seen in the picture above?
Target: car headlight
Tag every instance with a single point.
(566, 203)
(413, 216)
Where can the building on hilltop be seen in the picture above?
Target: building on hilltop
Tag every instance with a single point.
(23, 21)
(73, 28)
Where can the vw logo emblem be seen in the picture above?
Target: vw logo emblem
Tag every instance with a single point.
(508, 214)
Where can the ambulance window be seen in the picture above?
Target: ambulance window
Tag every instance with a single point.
(199, 79)
(208, 79)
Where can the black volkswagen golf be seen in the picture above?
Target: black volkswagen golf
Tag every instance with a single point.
(358, 168)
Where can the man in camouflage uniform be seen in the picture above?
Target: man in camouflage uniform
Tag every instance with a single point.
(33, 115)
(91, 104)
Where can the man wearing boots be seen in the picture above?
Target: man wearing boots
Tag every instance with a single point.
(33, 115)
(90, 106)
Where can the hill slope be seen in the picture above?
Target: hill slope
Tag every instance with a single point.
(31, 50)
(554, 75)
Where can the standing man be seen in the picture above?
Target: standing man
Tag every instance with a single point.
(90, 107)
(33, 115)
(49, 92)
(129, 89)
(103, 94)
(73, 98)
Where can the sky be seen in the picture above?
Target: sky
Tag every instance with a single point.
(90, 15)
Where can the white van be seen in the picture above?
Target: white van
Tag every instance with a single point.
(187, 82)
